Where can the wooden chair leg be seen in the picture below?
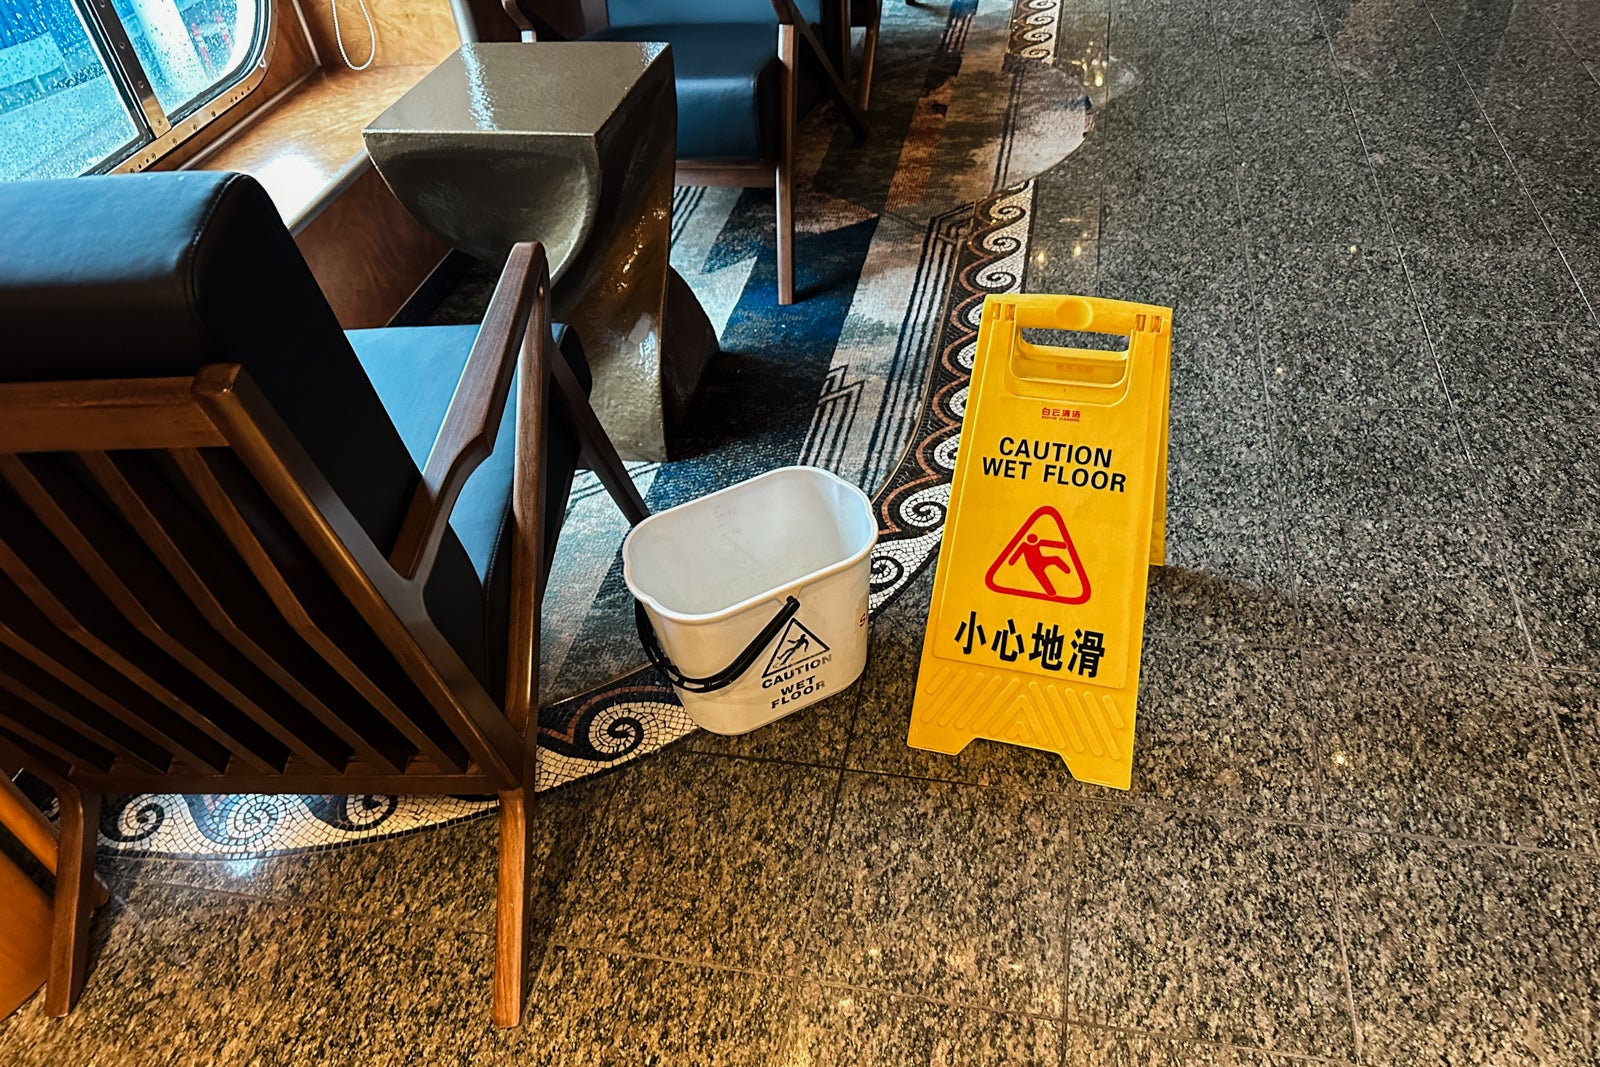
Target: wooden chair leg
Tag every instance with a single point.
(785, 178)
(869, 52)
(513, 954)
(74, 904)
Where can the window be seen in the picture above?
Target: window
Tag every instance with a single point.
(85, 84)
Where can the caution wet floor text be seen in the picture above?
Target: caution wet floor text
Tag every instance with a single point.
(1057, 511)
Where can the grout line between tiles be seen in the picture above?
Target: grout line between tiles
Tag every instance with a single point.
(1492, 512)
(1068, 909)
(923, 998)
(1268, 1055)
(1315, 826)
(1589, 67)
(1512, 163)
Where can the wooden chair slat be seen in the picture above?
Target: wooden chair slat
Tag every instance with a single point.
(132, 581)
(59, 740)
(49, 697)
(222, 589)
(322, 618)
(73, 604)
(24, 630)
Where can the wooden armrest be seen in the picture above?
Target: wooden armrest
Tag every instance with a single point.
(472, 422)
(519, 312)
(789, 15)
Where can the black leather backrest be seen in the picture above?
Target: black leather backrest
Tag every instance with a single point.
(149, 275)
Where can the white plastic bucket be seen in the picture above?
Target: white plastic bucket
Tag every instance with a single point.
(756, 595)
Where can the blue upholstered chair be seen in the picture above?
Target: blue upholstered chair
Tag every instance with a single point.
(747, 71)
(242, 550)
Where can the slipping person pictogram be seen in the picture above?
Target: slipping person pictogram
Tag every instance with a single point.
(793, 649)
(1032, 552)
(796, 647)
(1039, 547)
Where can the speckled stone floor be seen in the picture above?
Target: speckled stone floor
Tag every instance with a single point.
(1363, 822)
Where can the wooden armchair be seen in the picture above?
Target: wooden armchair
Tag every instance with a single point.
(220, 567)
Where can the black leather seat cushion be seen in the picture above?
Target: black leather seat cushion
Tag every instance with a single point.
(414, 370)
(154, 275)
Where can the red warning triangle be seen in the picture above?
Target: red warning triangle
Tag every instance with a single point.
(1041, 562)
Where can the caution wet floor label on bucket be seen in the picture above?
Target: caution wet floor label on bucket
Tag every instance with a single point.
(1056, 512)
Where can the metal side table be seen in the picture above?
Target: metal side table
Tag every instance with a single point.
(572, 144)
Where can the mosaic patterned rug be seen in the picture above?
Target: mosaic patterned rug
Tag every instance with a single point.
(901, 238)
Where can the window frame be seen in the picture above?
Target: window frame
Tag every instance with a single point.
(158, 131)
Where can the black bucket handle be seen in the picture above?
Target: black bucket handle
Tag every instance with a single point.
(729, 674)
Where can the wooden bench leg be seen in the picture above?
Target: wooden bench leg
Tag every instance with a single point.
(74, 904)
(513, 956)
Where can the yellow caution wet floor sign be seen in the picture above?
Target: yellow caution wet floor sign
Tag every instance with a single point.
(1057, 510)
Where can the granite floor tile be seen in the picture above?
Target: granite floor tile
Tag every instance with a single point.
(1470, 954)
(593, 1009)
(1144, 198)
(1220, 729)
(177, 976)
(1441, 748)
(1541, 470)
(1220, 459)
(1156, 27)
(1094, 1046)
(837, 1026)
(1362, 460)
(1575, 21)
(1216, 371)
(1163, 100)
(1268, 77)
(1358, 284)
(1525, 281)
(1459, 188)
(444, 875)
(1581, 245)
(1224, 579)
(1530, 370)
(1564, 190)
(1204, 281)
(349, 990)
(1319, 358)
(656, 875)
(948, 891)
(1557, 575)
(1330, 198)
(1206, 927)
(1061, 267)
(1405, 586)
(1066, 198)
(1293, 23)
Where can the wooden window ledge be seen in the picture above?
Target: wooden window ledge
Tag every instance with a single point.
(305, 148)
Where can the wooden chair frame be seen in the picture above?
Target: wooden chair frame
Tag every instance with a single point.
(868, 16)
(779, 173)
(472, 746)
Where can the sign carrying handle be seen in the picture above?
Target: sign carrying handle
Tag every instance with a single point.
(729, 674)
